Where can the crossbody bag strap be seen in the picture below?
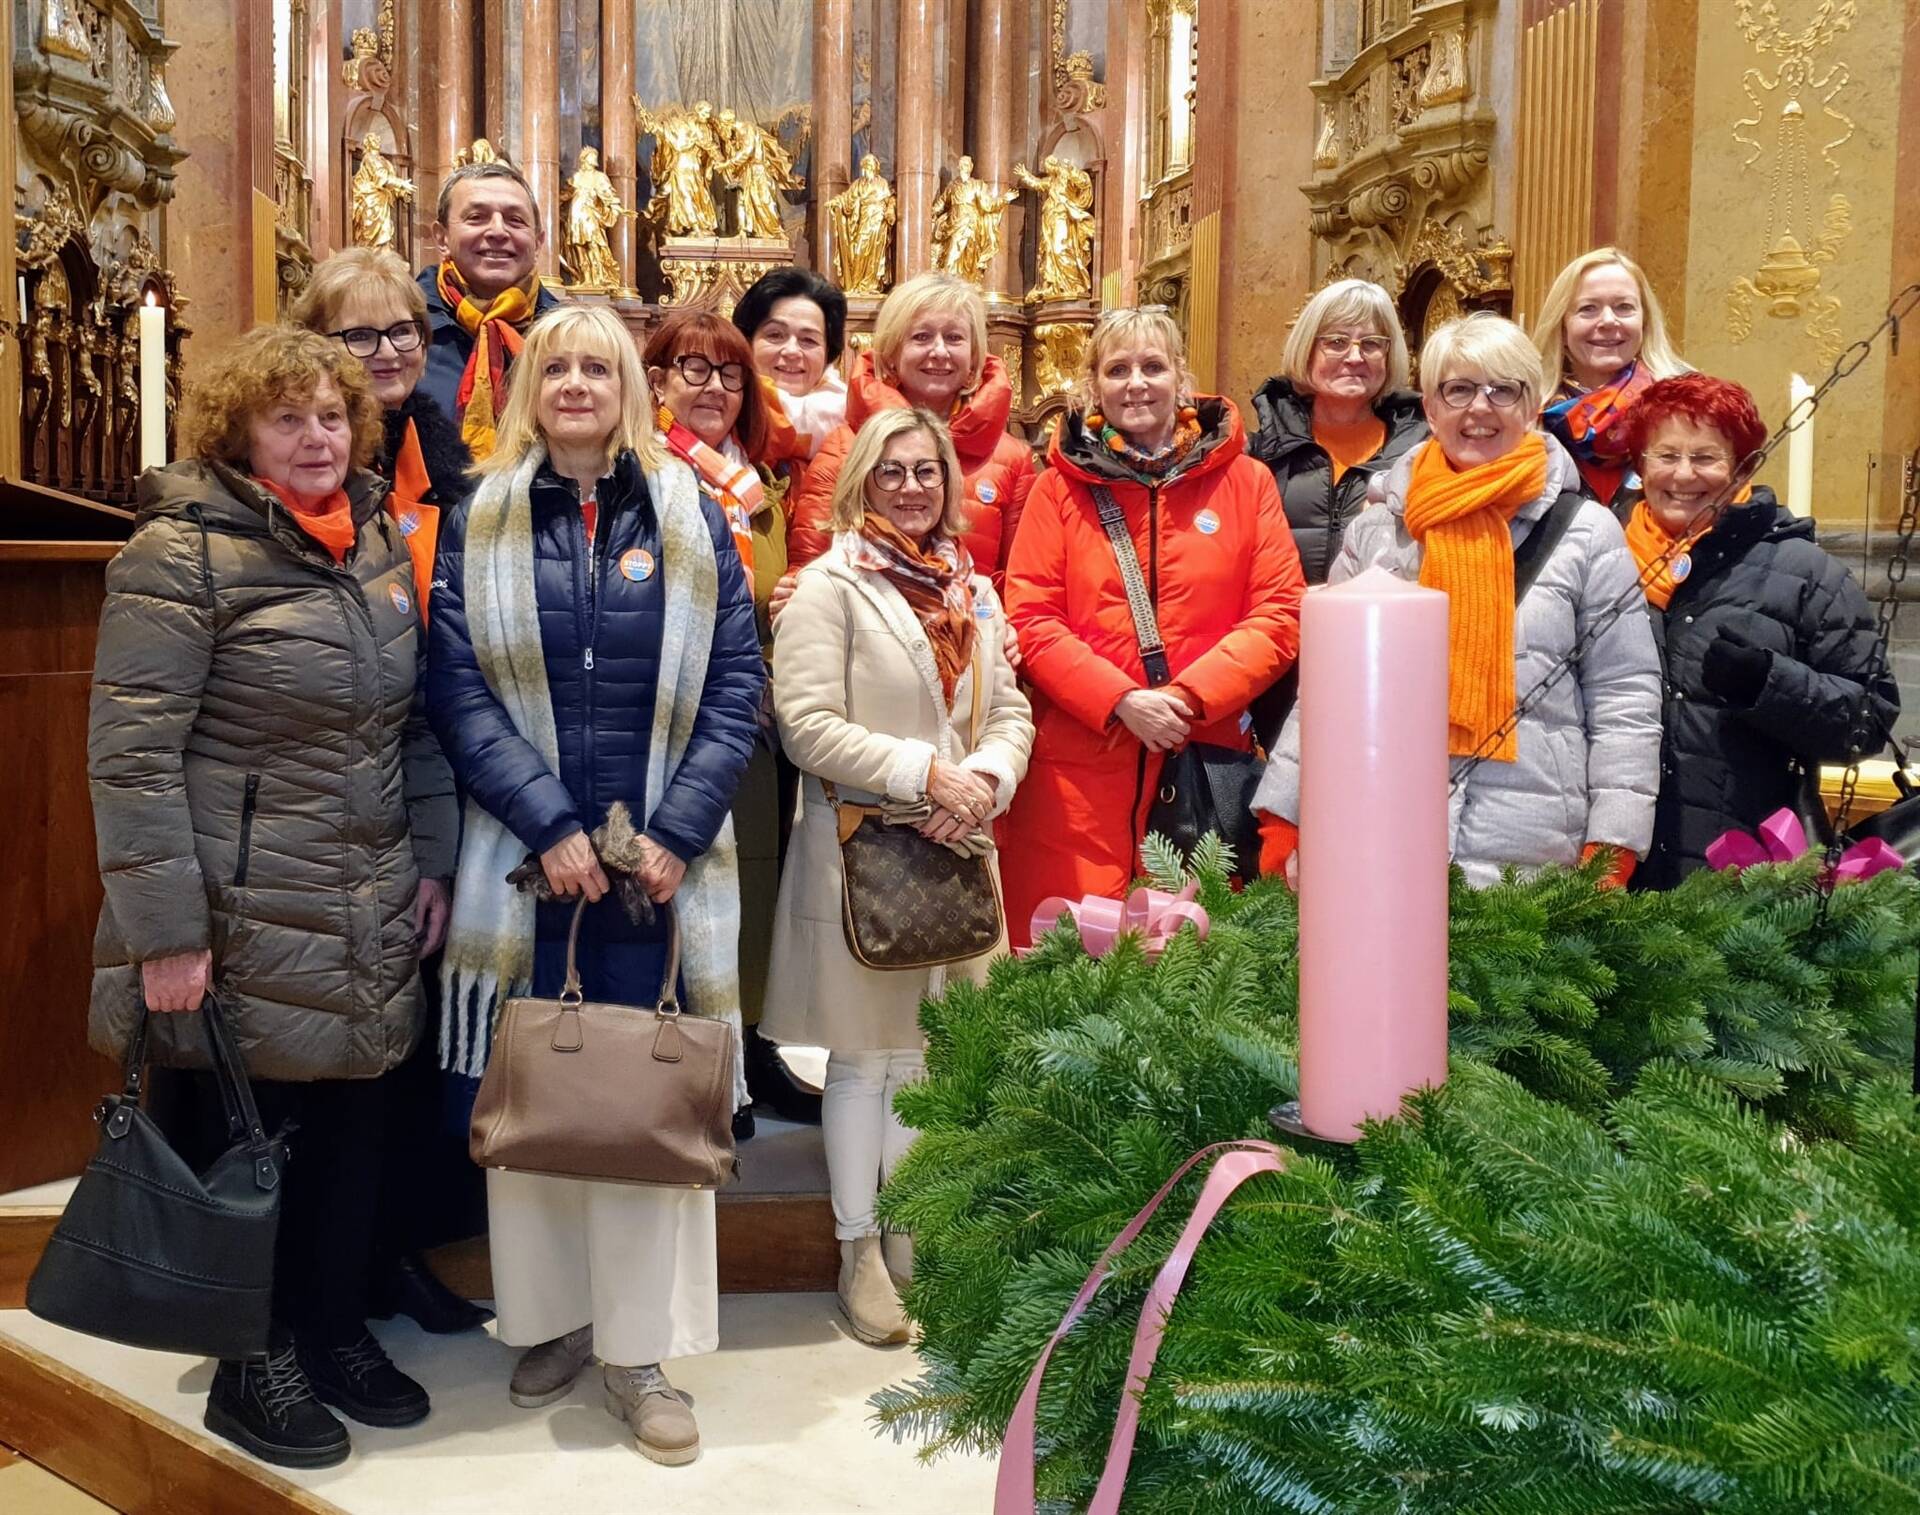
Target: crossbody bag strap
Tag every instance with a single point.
(1532, 554)
(1146, 625)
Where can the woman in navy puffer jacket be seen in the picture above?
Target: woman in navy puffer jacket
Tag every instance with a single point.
(593, 643)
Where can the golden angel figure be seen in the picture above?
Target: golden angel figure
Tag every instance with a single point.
(966, 224)
(686, 150)
(378, 190)
(593, 210)
(482, 151)
(862, 217)
(1064, 262)
(758, 166)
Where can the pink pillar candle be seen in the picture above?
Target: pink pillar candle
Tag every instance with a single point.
(1373, 849)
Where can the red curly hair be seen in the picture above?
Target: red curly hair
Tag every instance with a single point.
(718, 341)
(1718, 404)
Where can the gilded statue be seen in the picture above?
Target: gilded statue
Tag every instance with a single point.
(966, 224)
(1064, 260)
(482, 151)
(593, 210)
(378, 190)
(755, 163)
(862, 217)
(686, 151)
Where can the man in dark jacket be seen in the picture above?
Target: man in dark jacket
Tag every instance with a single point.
(482, 295)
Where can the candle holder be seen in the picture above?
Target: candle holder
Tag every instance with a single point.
(1286, 1120)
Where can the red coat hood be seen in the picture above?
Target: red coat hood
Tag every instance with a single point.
(977, 425)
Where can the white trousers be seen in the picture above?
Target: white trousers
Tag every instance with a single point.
(639, 1264)
(864, 1138)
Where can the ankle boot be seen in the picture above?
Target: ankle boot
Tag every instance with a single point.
(264, 1405)
(657, 1413)
(867, 1295)
(897, 1248)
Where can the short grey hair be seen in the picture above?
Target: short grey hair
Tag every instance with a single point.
(1345, 302)
(473, 172)
(1489, 345)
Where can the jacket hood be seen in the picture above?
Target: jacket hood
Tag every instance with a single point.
(1284, 416)
(977, 425)
(1083, 456)
(449, 463)
(1762, 519)
(225, 498)
(1563, 474)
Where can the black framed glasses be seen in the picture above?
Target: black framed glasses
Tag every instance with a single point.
(364, 341)
(892, 476)
(1460, 393)
(696, 370)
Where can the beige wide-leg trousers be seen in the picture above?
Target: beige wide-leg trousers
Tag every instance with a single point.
(638, 1264)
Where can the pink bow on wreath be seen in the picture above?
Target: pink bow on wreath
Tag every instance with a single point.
(1154, 913)
(1781, 838)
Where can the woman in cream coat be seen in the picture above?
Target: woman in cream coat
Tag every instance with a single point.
(876, 662)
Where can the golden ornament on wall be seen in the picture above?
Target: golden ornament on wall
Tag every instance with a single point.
(1059, 357)
(1063, 252)
(62, 33)
(377, 190)
(1445, 82)
(1794, 251)
(593, 210)
(966, 224)
(862, 217)
(1075, 90)
(481, 151)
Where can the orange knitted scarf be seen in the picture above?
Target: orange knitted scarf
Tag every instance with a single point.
(1463, 521)
(1649, 540)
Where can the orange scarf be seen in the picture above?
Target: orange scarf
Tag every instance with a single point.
(1463, 521)
(496, 343)
(735, 487)
(329, 522)
(1651, 541)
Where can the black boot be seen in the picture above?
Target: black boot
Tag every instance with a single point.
(264, 1405)
(361, 1381)
(411, 1288)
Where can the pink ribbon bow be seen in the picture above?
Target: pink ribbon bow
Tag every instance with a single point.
(1781, 838)
(1154, 913)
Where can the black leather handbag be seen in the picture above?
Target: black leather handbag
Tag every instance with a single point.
(1899, 824)
(150, 1253)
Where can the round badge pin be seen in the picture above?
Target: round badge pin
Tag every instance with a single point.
(636, 564)
(1680, 567)
(1206, 523)
(399, 597)
(409, 523)
(988, 494)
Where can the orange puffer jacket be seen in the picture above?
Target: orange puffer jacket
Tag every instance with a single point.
(997, 466)
(1225, 578)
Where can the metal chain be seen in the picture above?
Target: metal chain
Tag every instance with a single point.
(1798, 415)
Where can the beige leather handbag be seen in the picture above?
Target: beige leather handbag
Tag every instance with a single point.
(616, 1093)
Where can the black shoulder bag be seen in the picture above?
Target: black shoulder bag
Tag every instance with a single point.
(150, 1253)
(1202, 787)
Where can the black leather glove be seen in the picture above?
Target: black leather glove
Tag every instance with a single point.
(1734, 670)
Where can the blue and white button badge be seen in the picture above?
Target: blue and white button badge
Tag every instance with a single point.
(988, 494)
(1206, 523)
(1680, 567)
(636, 564)
(399, 597)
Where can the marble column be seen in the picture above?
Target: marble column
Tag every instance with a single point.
(916, 175)
(539, 118)
(953, 129)
(618, 133)
(994, 114)
(832, 119)
(450, 102)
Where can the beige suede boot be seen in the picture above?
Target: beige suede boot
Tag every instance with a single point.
(867, 1296)
(897, 1248)
(659, 1417)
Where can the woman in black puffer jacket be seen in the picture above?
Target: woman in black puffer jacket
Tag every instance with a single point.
(1766, 640)
(1337, 414)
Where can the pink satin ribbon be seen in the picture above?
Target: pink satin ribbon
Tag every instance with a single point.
(1780, 838)
(1101, 922)
(1236, 1162)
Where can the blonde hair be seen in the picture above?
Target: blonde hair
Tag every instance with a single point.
(1135, 323)
(850, 492)
(259, 369)
(923, 293)
(1656, 353)
(1345, 302)
(350, 271)
(599, 331)
(1491, 346)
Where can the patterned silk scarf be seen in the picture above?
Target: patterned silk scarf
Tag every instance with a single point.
(735, 486)
(496, 343)
(1591, 424)
(932, 580)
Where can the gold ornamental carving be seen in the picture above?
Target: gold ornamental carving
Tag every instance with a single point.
(1059, 357)
(1326, 148)
(1445, 81)
(966, 224)
(1798, 101)
(377, 190)
(862, 217)
(1471, 272)
(753, 162)
(686, 151)
(1075, 90)
(479, 151)
(1063, 253)
(62, 33)
(697, 278)
(593, 210)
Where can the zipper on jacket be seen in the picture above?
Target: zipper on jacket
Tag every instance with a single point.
(247, 803)
(1141, 811)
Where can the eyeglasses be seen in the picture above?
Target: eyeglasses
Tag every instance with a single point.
(364, 341)
(1460, 393)
(1337, 344)
(1703, 462)
(696, 370)
(892, 477)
